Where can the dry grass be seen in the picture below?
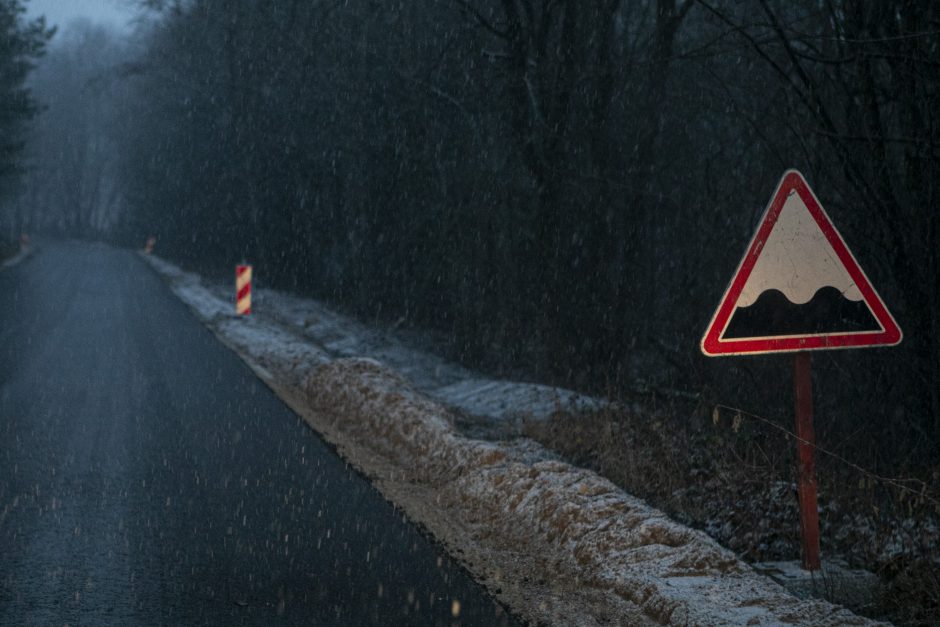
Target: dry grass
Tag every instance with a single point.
(734, 478)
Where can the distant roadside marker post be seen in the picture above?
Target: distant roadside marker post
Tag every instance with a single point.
(242, 289)
(799, 289)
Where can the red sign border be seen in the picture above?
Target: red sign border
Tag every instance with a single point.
(713, 346)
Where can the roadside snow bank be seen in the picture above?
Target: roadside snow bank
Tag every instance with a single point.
(268, 345)
(592, 530)
(505, 400)
(447, 382)
(558, 544)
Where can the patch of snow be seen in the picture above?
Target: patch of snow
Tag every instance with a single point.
(836, 580)
(267, 344)
(343, 337)
(504, 400)
(188, 286)
(271, 345)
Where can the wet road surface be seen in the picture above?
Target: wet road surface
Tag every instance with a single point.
(147, 476)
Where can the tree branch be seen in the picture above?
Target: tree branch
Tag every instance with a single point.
(481, 20)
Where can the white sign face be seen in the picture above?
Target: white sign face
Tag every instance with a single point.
(797, 260)
(798, 286)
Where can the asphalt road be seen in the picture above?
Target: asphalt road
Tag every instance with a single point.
(147, 476)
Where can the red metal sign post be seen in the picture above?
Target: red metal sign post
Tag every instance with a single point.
(806, 444)
(799, 289)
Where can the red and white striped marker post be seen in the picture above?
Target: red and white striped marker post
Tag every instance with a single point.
(242, 290)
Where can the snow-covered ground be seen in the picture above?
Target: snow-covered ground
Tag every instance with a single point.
(338, 336)
(556, 543)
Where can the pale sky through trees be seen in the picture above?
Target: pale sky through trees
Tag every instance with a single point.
(114, 13)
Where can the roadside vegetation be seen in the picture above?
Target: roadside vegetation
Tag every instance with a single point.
(22, 43)
(733, 475)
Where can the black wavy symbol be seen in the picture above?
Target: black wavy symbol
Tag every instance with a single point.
(828, 311)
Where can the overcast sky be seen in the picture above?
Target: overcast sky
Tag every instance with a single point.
(115, 13)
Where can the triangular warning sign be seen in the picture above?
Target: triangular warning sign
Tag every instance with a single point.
(798, 286)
